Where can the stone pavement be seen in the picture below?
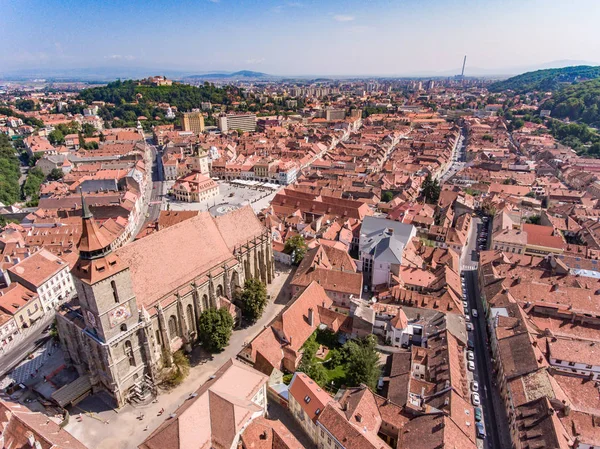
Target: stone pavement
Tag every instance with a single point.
(109, 429)
(43, 359)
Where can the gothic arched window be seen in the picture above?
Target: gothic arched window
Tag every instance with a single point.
(129, 353)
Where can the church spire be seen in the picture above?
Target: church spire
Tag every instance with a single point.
(94, 241)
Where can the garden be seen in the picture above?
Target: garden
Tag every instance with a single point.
(334, 365)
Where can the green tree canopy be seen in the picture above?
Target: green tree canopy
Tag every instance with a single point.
(296, 245)
(387, 196)
(56, 174)
(25, 105)
(56, 137)
(215, 327)
(9, 172)
(363, 365)
(253, 299)
(430, 189)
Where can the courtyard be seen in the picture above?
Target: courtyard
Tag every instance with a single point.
(232, 195)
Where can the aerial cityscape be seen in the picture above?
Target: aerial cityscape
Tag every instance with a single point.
(300, 224)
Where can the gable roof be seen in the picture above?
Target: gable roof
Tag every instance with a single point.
(214, 414)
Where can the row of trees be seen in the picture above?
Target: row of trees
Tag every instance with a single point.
(9, 172)
(216, 325)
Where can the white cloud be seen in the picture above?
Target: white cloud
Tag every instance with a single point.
(255, 60)
(343, 18)
(120, 57)
(215, 1)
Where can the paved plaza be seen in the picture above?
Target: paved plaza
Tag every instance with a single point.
(231, 196)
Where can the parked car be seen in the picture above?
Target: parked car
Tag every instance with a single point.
(470, 355)
(478, 414)
(474, 386)
(471, 365)
(465, 305)
(474, 313)
(467, 317)
(470, 344)
(475, 400)
(469, 327)
(480, 430)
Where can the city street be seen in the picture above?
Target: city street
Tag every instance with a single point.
(493, 412)
(458, 159)
(25, 346)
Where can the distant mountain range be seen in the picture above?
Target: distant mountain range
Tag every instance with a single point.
(232, 75)
(104, 74)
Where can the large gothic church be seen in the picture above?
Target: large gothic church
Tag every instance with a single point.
(137, 305)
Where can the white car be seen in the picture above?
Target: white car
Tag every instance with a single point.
(474, 313)
(470, 355)
(471, 366)
(465, 305)
(475, 400)
(474, 386)
(469, 327)
(467, 317)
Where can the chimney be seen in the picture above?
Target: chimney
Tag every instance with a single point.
(311, 317)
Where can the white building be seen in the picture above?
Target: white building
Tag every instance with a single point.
(47, 275)
(381, 245)
(232, 122)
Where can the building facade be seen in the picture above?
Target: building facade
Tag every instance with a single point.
(193, 121)
(243, 122)
(139, 304)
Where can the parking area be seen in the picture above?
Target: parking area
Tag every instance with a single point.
(231, 196)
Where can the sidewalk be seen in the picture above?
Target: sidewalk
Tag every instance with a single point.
(108, 429)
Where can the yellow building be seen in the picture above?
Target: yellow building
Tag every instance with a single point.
(193, 121)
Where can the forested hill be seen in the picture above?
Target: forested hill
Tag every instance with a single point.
(546, 80)
(183, 96)
(579, 102)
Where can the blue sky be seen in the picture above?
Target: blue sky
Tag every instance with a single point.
(297, 37)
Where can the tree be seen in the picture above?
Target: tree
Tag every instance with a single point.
(178, 372)
(25, 105)
(253, 299)
(9, 172)
(88, 130)
(296, 245)
(431, 189)
(56, 137)
(387, 196)
(309, 364)
(215, 327)
(56, 174)
(31, 188)
(363, 362)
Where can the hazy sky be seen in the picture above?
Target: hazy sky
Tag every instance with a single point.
(327, 37)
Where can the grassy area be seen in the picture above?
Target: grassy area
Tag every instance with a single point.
(337, 375)
(287, 378)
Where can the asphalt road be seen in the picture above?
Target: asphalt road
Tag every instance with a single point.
(27, 345)
(459, 163)
(494, 420)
